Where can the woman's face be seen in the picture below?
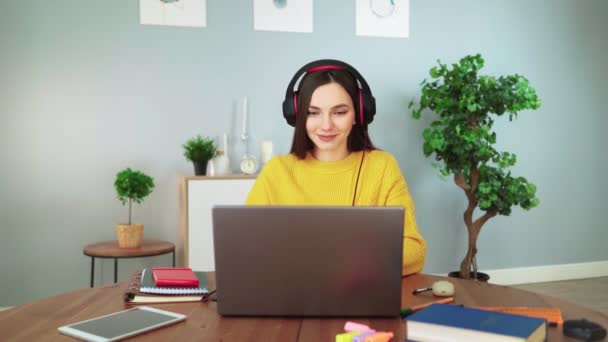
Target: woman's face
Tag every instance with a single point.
(331, 116)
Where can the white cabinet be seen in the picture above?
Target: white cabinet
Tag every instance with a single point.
(199, 195)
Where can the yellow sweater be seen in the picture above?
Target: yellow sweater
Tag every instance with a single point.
(287, 180)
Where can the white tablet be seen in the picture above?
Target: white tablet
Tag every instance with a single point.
(122, 324)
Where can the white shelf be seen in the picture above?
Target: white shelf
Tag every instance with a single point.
(199, 195)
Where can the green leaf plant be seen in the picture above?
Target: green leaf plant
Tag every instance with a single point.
(199, 149)
(462, 141)
(132, 186)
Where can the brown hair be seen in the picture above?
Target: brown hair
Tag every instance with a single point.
(357, 139)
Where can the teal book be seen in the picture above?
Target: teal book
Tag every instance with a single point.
(444, 322)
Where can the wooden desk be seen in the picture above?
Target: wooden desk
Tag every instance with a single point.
(110, 249)
(40, 320)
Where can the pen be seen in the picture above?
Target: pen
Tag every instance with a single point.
(408, 311)
(424, 289)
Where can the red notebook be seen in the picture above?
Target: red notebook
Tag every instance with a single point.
(174, 276)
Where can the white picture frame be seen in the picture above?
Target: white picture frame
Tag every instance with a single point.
(383, 18)
(190, 13)
(283, 15)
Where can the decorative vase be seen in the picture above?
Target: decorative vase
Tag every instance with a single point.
(211, 168)
(480, 276)
(221, 163)
(200, 168)
(129, 235)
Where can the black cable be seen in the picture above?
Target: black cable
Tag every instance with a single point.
(207, 297)
(360, 165)
(358, 173)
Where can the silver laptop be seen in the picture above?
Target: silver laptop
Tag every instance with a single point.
(308, 261)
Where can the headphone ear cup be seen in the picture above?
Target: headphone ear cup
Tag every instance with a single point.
(289, 109)
(369, 108)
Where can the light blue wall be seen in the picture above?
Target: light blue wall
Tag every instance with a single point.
(86, 91)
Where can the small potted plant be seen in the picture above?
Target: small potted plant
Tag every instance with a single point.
(466, 105)
(131, 186)
(199, 151)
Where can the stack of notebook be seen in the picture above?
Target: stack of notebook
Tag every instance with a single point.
(169, 288)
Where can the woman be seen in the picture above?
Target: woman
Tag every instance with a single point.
(332, 159)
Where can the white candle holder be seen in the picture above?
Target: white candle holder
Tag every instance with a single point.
(266, 151)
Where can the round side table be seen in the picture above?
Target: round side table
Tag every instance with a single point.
(110, 250)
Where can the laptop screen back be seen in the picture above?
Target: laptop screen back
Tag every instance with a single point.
(308, 261)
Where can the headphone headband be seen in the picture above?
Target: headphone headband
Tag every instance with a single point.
(366, 103)
(324, 67)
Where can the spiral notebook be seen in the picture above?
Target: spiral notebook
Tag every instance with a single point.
(148, 285)
(134, 295)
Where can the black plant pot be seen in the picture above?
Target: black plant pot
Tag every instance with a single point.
(480, 276)
(200, 168)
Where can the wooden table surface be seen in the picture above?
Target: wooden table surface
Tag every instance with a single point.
(39, 320)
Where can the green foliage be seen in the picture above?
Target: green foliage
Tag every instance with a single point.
(499, 191)
(133, 185)
(199, 149)
(461, 139)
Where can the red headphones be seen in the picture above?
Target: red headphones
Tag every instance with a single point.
(366, 105)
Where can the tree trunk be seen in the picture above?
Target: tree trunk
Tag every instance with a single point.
(130, 200)
(469, 263)
(469, 259)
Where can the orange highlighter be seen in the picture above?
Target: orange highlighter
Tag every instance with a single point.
(380, 336)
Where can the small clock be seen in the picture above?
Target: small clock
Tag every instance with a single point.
(249, 165)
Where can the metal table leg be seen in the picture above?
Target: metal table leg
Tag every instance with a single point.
(92, 270)
(115, 270)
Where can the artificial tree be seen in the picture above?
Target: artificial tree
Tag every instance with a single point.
(463, 141)
(132, 186)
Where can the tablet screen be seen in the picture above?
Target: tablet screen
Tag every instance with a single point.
(123, 323)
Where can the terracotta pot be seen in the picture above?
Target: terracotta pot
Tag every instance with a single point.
(129, 235)
(480, 276)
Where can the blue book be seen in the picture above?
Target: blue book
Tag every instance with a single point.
(444, 322)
